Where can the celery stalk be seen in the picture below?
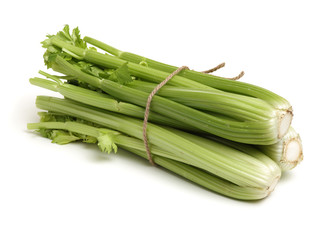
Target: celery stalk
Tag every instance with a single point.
(136, 146)
(254, 132)
(287, 152)
(243, 174)
(106, 102)
(240, 107)
(283, 110)
(207, 79)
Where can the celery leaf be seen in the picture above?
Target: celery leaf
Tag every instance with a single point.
(64, 35)
(64, 139)
(123, 75)
(106, 141)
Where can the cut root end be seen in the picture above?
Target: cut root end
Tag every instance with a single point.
(285, 120)
(292, 153)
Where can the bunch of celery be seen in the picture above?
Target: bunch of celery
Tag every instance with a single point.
(230, 137)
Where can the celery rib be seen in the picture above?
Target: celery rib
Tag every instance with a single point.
(204, 158)
(261, 132)
(194, 174)
(206, 79)
(106, 102)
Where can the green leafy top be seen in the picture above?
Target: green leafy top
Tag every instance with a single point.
(52, 51)
(104, 138)
(54, 117)
(74, 38)
(120, 75)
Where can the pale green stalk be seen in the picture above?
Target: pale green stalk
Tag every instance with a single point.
(136, 146)
(237, 106)
(254, 132)
(278, 126)
(207, 180)
(222, 166)
(104, 101)
(207, 79)
(287, 152)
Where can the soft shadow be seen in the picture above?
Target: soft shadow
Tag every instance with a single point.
(142, 162)
(286, 176)
(213, 193)
(135, 158)
(99, 156)
(95, 155)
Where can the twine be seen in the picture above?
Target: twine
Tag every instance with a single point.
(219, 66)
(157, 88)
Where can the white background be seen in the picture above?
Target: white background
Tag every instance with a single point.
(49, 191)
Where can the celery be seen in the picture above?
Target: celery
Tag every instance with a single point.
(104, 101)
(207, 79)
(287, 152)
(246, 173)
(254, 132)
(237, 106)
(107, 140)
(230, 137)
(277, 125)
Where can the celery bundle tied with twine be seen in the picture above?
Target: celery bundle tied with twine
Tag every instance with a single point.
(227, 136)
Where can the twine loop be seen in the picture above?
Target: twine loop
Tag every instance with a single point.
(157, 88)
